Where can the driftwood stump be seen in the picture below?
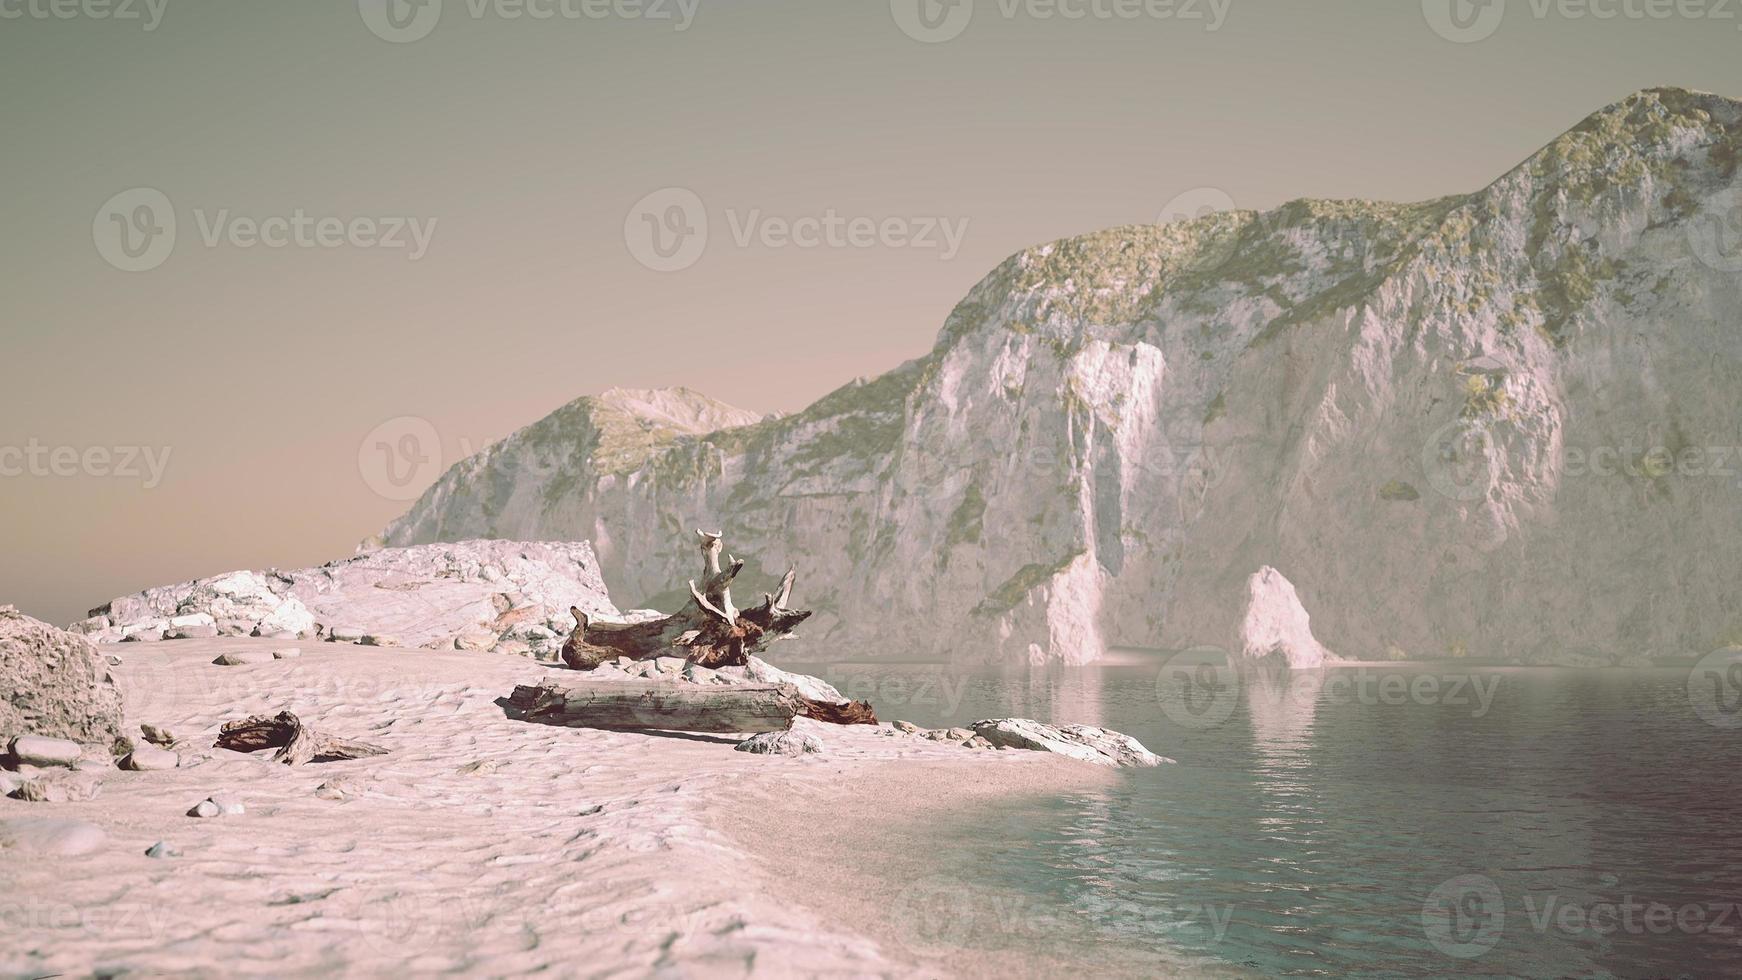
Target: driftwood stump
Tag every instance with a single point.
(296, 743)
(709, 630)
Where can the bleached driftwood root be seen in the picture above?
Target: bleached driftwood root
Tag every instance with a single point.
(709, 630)
(296, 743)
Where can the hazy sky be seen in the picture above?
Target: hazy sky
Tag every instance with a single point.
(524, 149)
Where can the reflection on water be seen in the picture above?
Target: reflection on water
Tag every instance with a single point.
(1376, 821)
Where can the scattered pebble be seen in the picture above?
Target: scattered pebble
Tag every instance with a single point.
(227, 803)
(217, 805)
(237, 658)
(382, 640)
(481, 766)
(59, 788)
(114, 660)
(157, 735)
(792, 743)
(36, 750)
(149, 758)
(339, 789)
(908, 727)
(163, 849)
(288, 653)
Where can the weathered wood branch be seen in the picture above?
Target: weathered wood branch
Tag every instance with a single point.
(296, 743)
(709, 630)
(622, 705)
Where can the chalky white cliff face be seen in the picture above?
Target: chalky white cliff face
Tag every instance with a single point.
(1495, 425)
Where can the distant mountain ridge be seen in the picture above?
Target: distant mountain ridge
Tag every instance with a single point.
(1401, 408)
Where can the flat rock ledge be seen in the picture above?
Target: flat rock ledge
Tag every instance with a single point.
(1081, 742)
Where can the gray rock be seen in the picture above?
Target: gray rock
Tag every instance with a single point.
(230, 805)
(405, 597)
(238, 658)
(149, 758)
(114, 659)
(288, 653)
(697, 674)
(382, 640)
(35, 750)
(157, 735)
(54, 683)
(908, 727)
(203, 632)
(950, 734)
(338, 789)
(760, 671)
(163, 849)
(477, 639)
(789, 743)
(1081, 742)
(65, 787)
(9, 782)
(205, 809)
(51, 836)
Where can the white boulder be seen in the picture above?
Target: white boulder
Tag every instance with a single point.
(1277, 625)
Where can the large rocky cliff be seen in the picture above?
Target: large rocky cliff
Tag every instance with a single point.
(1500, 425)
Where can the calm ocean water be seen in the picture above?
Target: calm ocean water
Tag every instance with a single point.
(1407, 820)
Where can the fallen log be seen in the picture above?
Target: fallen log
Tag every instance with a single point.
(296, 743)
(631, 706)
(709, 630)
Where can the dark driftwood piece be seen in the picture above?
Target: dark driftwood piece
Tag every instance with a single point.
(296, 743)
(709, 630)
(622, 705)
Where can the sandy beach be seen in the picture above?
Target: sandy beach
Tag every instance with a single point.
(497, 847)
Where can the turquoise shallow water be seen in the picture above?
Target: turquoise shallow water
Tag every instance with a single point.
(1375, 821)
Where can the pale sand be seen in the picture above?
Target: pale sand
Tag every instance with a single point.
(573, 852)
